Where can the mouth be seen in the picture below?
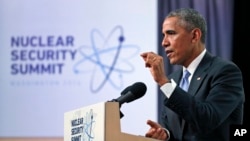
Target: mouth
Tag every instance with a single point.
(168, 53)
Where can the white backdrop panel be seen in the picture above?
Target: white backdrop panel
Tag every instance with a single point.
(59, 55)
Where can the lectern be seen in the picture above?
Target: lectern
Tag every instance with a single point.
(97, 122)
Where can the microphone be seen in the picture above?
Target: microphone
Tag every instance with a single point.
(131, 93)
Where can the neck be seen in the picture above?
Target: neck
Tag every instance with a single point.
(194, 55)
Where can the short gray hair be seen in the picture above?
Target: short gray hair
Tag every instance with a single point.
(190, 19)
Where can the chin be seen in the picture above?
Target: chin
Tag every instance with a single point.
(172, 62)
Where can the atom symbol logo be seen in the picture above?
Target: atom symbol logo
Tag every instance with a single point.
(106, 59)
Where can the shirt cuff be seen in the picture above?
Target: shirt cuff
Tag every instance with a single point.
(168, 88)
(168, 133)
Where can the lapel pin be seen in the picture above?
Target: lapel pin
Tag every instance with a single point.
(198, 78)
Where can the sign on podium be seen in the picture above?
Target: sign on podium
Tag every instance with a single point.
(97, 122)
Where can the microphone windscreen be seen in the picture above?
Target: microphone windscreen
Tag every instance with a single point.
(126, 90)
(138, 89)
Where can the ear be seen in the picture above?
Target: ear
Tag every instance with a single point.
(196, 33)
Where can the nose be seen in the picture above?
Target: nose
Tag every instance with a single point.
(165, 42)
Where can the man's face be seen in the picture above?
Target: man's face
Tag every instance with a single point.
(177, 42)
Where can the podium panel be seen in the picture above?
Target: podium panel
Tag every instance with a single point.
(85, 123)
(98, 122)
(33, 139)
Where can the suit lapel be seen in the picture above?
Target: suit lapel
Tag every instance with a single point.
(200, 74)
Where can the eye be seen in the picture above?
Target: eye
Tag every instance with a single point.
(170, 32)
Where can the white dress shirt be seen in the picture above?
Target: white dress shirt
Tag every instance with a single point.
(168, 88)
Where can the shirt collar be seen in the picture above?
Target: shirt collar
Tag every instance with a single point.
(192, 67)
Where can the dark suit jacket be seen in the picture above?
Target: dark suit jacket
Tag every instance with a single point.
(214, 101)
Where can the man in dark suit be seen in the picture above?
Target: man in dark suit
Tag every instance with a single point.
(215, 97)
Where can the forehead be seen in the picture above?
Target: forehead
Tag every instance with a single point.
(171, 22)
